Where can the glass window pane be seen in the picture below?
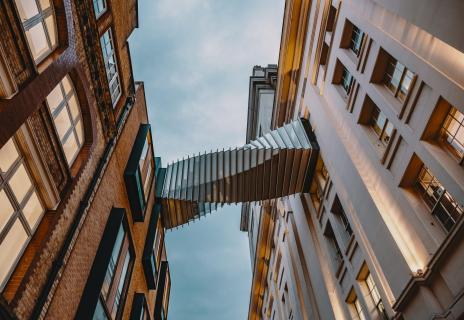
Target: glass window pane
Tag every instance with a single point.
(44, 4)
(74, 107)
(62, 123)
(70, 148)
(27, 9)
(66, 84)
(8, 155)
(33, 210)
(51, 28)
(80, 132)
(6, 209)
(54, 98)
(100, 313)
(20, 183)
(10, 248)
(37, 40)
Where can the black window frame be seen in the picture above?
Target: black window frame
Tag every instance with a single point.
(133, 176)
(160, 313)
(91, 294)
(139, 304)
(150, 268)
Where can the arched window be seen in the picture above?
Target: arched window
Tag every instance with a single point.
(39, 24)
(20, 208)
(66, 113)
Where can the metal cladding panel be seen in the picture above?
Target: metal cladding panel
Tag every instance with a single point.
(277, 164)
(190, 177)
(199, 180)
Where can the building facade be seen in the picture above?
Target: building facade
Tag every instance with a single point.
(80, 231)
(381, 234)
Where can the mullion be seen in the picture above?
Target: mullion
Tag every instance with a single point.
(401, 79)
(41, 16)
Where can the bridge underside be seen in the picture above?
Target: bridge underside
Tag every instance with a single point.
(275, 165)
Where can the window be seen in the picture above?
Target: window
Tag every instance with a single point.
(38, 19)
(64, 107)
(338, 210)
(398, 78)
(375, 295)
(452, 133)
(163, 292)
(99, 7)
(112, 74)
(139, 308)
(356, 40)
(440, 202)
(139, 172)
(20, 208)
(146, 164)
(347, 81)
(381, 126)
(359, 313)
(319, 183)
(336, 253)
(116, 275)
(153, 249)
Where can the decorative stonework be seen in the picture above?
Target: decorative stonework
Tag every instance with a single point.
(45, 138)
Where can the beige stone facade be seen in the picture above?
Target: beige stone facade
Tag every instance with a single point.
(381, 233)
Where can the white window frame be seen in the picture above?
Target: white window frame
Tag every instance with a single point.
(110, 60)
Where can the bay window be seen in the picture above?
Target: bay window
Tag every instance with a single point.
(106, 289)
(153, 248)
(139, 172)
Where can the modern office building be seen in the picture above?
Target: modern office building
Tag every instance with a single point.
(80, 233)
(380, 235)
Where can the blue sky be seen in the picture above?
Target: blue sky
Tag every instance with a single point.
(195, 57)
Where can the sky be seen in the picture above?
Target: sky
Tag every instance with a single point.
(195, 58)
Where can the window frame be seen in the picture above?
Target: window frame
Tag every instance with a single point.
(18, 206)
(381, 132)
(39, 18)
(140, 309)
(346, 88)
(361, 35)
(97, 13)
(395, 65)
(133, 177)
(163, 292)
(152, 253)
(92, 295)
(107, 56)
(444, 133)
(434, 201)
(72, 130)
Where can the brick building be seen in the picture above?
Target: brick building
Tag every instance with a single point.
(380, 235)
(80, 233)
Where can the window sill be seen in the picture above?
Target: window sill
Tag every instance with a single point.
(448, 161)
(379, 147)
(389, 99)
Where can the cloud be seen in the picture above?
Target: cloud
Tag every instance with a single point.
(196, 57)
